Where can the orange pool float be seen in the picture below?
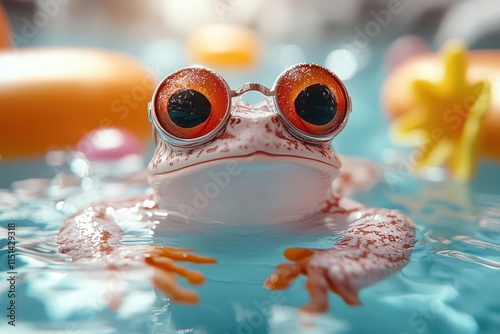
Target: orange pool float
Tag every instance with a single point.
(4, 29)
(50, 98)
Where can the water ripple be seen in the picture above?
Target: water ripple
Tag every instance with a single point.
(490, 224)
(471, 258)
(479, 243)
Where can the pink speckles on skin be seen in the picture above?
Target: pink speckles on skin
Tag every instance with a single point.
(234, 121)
(226, 136)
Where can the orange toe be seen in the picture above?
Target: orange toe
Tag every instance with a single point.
(168, 265)
(318, 290)
(162, 259)
(167, 283)
(298, 254)
(284, 275)
(180, 254)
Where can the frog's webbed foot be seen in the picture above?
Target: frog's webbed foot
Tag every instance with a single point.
(318, 281)
(162, 259)
(92, 237)
(372, 248)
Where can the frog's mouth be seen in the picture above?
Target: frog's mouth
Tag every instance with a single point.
(330, 165)
(258, 187)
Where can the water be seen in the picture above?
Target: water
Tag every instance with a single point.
(450, 285)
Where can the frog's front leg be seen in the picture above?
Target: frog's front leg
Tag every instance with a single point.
(92, 237)
(376, 244)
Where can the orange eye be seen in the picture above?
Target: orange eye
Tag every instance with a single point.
(313, 100)
(191, 103)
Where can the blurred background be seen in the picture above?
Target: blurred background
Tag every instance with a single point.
(360, 40)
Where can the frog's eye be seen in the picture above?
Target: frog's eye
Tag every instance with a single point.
(191, 103)
(313, 101)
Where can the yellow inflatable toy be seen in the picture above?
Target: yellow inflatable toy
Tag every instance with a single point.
(50, 98)
(447, 105)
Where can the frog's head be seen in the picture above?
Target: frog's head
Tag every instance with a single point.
(220, 159)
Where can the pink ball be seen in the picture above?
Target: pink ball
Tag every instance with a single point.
(109, 144)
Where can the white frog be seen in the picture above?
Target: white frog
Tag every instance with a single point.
(221, 160)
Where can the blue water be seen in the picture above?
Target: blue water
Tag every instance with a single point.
(450, 285)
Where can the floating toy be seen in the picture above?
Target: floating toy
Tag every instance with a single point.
(224, 46)
(448, 106)
(50, 98)
(5, 41)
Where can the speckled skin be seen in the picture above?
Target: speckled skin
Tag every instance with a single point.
(255, 172)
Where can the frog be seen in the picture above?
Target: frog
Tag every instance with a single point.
(219, 159)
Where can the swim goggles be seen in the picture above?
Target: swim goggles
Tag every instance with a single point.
(192, 106)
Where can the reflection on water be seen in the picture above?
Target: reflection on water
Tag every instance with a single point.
(449, 285)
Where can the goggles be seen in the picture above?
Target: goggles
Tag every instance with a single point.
(191, 106)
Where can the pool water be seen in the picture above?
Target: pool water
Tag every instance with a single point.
(449, 286)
